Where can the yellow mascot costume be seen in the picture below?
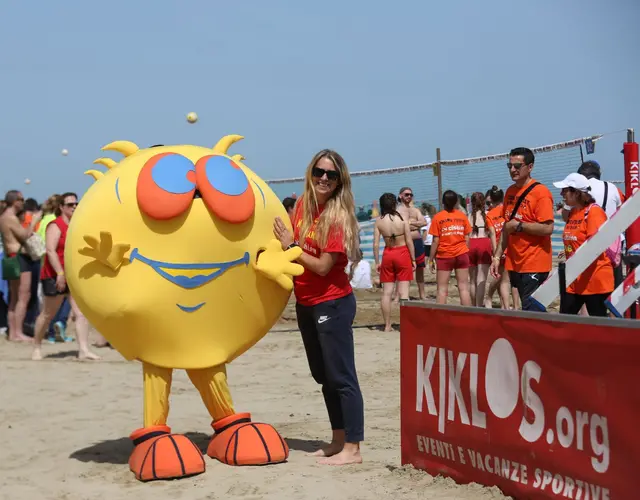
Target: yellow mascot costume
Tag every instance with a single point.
(170, 255)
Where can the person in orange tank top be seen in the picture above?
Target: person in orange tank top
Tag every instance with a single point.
(450, 249)
(596, 283)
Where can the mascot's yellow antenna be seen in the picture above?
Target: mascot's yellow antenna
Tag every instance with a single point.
(107, 162)
(126, 148)
(225, 143)
(96, 174)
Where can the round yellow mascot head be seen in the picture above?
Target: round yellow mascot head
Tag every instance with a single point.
(161, 255)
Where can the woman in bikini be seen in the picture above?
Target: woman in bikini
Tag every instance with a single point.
(398, 260)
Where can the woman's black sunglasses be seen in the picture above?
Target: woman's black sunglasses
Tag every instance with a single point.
(318, 172)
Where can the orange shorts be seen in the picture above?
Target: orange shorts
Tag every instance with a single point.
(396, 265)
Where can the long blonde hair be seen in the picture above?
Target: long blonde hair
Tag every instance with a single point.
(339, 211)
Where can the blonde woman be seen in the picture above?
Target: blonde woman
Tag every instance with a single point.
(326, 228)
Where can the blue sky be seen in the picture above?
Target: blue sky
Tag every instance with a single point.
(384, 86)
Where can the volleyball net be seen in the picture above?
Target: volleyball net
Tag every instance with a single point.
(465, 176)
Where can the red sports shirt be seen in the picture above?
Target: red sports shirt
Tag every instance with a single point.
(311, 288)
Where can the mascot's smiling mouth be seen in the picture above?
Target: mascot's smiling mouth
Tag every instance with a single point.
(171, 271)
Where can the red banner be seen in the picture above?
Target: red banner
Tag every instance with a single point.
(540, 405)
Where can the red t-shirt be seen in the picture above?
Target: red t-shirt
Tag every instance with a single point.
(47, 270)
(311, 288)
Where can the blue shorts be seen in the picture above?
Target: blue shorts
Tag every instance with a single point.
(418, 247)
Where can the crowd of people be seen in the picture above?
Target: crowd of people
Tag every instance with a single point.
(36, 296)
(502, 243)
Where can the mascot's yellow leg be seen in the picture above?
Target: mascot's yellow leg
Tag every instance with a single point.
(237, 440)
(214, 390)
(157, 387)
(159, 454)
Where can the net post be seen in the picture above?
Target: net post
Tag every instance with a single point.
(438, 171)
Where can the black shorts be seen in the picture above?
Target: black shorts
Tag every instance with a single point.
(527, 284)
(49, 288)
(26, 263)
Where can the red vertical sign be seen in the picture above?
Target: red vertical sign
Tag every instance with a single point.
(632, 184)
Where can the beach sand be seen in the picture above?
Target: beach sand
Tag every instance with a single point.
(64, 424)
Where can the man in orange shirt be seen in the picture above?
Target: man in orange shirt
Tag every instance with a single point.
(526, 234)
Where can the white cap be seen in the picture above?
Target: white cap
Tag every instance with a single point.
(575, 181)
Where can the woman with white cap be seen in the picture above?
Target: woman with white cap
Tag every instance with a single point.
(595, 284)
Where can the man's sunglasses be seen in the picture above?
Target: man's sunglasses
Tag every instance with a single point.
(318, 172)
(517, 166)
(71, 205)
(410, 195)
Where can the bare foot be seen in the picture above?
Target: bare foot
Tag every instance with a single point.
(36, 355)
(387, 329)
(83, 356)
(343, 458)
(328, 451)
(488, 304)
(20, 338)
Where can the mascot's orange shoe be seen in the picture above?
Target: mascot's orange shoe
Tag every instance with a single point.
(158, 454)
(238, 441)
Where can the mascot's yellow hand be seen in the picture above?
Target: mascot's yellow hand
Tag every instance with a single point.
(277, 264)
(104, 251)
